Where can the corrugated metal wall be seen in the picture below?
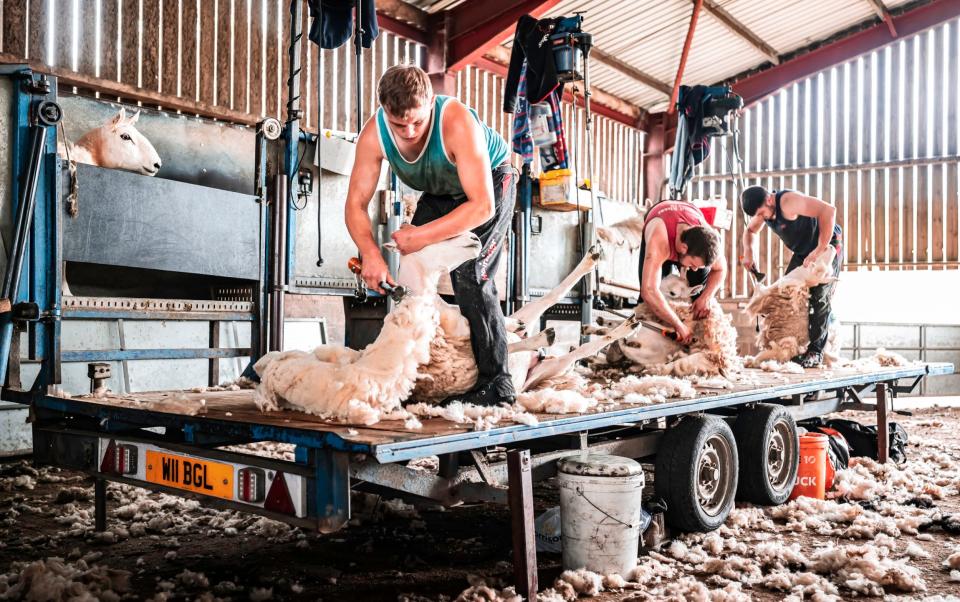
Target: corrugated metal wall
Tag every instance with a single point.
(617, 148)
(219, 58)
(228, 59)
(877, 138)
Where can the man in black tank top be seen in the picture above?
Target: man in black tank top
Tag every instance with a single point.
(807, 226)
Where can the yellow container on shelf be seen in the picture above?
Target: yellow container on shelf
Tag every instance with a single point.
(556, 187)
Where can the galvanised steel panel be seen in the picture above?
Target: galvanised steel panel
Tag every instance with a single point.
(126, 219)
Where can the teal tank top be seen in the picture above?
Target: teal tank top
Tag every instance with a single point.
(432, 171)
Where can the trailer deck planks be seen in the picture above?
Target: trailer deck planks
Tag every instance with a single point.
(234, 413)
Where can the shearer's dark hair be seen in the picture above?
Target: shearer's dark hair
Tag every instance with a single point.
(752, 198)
(703, 242)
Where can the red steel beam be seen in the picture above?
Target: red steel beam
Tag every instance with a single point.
(405, 30)
(683, 55)
(761, 84)
(478, 25)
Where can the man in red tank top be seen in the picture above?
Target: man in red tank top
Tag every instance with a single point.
(676, 234)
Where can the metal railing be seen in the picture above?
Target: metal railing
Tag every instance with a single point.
(922, 348)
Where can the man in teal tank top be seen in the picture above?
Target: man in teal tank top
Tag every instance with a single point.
(437, 145)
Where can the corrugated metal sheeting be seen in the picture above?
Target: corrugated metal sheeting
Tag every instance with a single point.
(649, 34)
(877, 137)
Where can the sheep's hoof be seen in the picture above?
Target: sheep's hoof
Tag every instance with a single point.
(551, 335)
(596, 251)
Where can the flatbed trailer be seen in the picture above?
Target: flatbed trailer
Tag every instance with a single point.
(120, 439)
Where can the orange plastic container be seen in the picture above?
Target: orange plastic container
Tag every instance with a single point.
(812, 472)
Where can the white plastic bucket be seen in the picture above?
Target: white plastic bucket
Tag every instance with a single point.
(600, 512)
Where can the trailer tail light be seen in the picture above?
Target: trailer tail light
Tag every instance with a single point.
(119, 459)
(251, 485)
(278, 499)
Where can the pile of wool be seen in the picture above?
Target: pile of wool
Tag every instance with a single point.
(481, 418)
(479, 591)
(451, 370)
(881, 358)
(713, 352)
(341, 384)
(646, 390)
(57, 579)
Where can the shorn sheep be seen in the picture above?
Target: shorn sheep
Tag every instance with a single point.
(783, 308)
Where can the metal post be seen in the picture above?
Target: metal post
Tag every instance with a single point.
(589, 234)
(278, 287)
(291, 159)
(883, 427)
(521, 511)
(100, 504)
(521, 290)
(18, 248)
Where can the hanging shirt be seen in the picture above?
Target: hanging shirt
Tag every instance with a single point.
(333, 22)
(432, 171)
(552, 156)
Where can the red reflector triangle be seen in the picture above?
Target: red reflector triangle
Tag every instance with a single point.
(278, 498)
(109, 462)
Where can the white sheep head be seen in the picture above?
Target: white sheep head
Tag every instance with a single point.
(117, 144)
(675, 288)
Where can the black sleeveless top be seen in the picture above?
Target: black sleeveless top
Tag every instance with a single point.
(800, 235)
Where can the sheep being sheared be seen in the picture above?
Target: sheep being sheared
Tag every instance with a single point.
(783, 308)
(361, 387)
(713, 351)
(452, 369)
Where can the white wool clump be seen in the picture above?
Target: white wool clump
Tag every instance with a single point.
(584, 582)
(782, 367)
(955, 576)
(614, 581)
(953, 560)
(656, 388)
(340, 384)
(880, 359)
(678, 549)
(481, 418)
(56, 579)
(867, 570)
(479, 591)
(551, 401)
(802, 585)
(915, 551)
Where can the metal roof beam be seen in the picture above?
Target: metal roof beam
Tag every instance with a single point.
(741, 30)
(697, 5)
(759, 85)
(884, 14)
(476, 27)
(404, 20)
(630, 71)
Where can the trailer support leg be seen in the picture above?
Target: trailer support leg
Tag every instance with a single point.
(883, 427)
(521, 512)
(100, 504)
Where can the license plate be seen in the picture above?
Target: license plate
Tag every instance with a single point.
(190, 474)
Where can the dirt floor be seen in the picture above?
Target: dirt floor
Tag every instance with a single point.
(166, 548)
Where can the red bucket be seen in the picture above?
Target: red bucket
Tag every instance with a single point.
(709, 213)
(812, 472)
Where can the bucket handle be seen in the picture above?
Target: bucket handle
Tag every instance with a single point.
(579, 491)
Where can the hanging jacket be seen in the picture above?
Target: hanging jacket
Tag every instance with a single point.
(333, 22)
(552, 156)
(531, 43)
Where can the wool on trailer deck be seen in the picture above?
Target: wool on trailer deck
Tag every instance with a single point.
(357, 387)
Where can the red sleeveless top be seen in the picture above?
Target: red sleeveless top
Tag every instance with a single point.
(673, 213)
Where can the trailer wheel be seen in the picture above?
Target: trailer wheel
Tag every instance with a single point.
(696, 473)
(769, 454)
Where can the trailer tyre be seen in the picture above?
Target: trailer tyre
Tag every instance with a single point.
(769, 454)
(696, 473)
